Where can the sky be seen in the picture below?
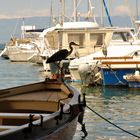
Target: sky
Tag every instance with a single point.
(29, 8)
(13, 11)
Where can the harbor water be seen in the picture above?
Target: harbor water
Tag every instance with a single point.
(120, 106)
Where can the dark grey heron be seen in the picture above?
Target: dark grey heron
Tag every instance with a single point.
(61, 54)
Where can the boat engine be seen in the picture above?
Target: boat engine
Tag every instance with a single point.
(84, 72)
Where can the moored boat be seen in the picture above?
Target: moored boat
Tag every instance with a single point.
(111, 42)
(45, 110)
(110, 71)
(113, 71)
(21, 49)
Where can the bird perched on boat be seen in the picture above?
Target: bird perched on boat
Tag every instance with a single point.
(61, 54)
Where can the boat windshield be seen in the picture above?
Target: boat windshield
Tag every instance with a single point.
(122, 36)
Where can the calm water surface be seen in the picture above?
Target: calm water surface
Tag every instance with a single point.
(119, 105)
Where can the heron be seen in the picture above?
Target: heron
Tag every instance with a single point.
(61, 54)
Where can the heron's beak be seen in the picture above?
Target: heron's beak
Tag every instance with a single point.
(76, 44)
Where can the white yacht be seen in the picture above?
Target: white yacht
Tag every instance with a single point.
(111, 42)
(21, 49)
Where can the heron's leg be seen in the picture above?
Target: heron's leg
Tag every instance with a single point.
(60, 73)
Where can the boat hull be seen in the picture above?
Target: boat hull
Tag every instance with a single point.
(62, 131)
(22, 56)
(114, 77)
(54, 110)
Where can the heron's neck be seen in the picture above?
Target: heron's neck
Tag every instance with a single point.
(71, 49)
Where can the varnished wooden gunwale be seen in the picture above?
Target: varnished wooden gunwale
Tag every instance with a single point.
(43, 96)
(120, 62)
(26, 89)
(113, 57)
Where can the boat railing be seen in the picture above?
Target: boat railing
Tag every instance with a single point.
(120, 62)
(113, 58)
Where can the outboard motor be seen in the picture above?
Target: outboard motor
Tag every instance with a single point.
(84, 72)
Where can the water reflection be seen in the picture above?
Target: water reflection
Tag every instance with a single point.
(15, 74)
(119, 105)
(109, 92)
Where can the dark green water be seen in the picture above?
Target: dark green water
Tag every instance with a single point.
(119, 105)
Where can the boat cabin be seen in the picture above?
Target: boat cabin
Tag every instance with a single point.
(88, 35)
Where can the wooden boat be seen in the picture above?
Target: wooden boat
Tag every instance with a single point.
(45, 110)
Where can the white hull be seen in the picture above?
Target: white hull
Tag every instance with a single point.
(21, 52)
(20, 56)
(35, 58)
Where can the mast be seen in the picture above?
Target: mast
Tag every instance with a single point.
(91, 11)
(109, 19)
(23, 29)
(75, 9)
(137, 10)
(88, 7)
(102, 13)
(62, 11)
(51, 14)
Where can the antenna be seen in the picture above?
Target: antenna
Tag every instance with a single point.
(102, 13)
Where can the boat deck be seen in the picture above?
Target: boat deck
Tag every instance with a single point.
(46, 99)
(16, 110)
(39, 95)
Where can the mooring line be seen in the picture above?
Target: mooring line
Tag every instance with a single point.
(112, 123)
